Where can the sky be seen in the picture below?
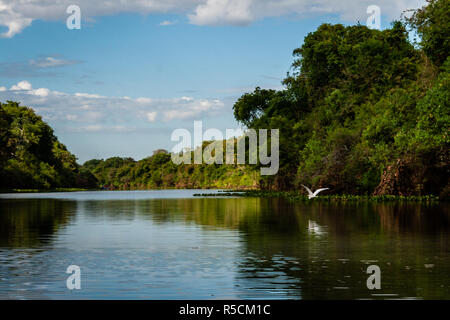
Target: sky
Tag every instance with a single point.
(137, 70)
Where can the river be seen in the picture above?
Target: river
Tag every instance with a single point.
(168, 244)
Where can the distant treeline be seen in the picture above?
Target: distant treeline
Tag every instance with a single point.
(158, 171)
(363, 112)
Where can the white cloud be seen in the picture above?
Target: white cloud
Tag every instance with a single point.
(22, 85)
(49, 62)
(94, 112)
(43, 92)
(217, 12)
(71, 117)
(40, 66)
(189, 109)
(93, 116)
(95, 127)
(151, 116)
(167, 23)
(144, 100)
(17, 15)
(13, 19)
(88, 95)
(101, 128)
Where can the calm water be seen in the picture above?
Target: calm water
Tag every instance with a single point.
(171, 245)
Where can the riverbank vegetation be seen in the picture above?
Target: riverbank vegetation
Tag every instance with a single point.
(31, 157)
(364, 111)
(295, 196)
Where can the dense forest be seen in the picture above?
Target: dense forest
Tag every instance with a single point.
(31, 157)
(363, 111)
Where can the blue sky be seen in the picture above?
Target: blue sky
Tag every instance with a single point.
(137, 70)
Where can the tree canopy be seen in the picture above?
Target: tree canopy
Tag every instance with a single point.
(358, 101)
(31, 156)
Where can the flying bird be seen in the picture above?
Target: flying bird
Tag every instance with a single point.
(315, 193)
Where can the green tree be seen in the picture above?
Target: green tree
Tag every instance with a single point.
(432, 23)
(31, 156)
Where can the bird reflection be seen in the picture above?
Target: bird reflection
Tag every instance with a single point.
(315, 229)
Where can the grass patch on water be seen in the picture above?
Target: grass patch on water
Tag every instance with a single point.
(295, 196)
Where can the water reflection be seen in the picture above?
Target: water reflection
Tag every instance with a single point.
(208, 248)
(31, 223)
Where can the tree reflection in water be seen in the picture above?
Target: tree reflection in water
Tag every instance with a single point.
(279, 249)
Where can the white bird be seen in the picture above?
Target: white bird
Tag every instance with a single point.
(315, 193)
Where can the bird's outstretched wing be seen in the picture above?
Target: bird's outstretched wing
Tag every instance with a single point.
(308, 189)
(319, 190)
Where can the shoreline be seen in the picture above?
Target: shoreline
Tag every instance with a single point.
(296, 197)
(293, 196)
